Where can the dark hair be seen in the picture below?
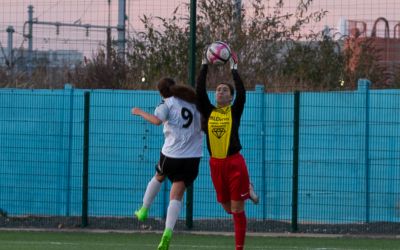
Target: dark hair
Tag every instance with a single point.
(168, 88)
(164, 85)
(230, 86)
(184, 92)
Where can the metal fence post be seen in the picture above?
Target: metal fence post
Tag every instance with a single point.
(363, 86)
(192, 72)
(295, 183)
(85, 168)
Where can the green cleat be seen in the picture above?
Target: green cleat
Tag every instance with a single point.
(141, 214)
(165, 240)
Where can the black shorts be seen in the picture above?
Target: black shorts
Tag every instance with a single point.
(179, 169)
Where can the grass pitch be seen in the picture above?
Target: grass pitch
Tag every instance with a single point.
(24, 240)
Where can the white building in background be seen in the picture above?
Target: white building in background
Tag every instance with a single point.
(343, 26)
(48, 58)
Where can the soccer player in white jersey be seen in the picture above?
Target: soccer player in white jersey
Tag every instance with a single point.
(180, 154)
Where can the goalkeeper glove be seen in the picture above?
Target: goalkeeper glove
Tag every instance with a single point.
(233, 60)
(204, 59)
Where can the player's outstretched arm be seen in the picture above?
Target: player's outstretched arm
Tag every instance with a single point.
(203, 102)
(240, 98)
(148, 117)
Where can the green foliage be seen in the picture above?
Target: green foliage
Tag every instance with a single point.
(316, 64)
(362, 61)
(259, 37)
(273, 47)
(42, 77)
(103, 71)
(154, 54)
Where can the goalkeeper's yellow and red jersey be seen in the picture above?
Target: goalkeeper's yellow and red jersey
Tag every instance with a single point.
(219, 129)
(222, 124)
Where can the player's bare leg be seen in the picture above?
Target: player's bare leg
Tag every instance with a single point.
(253, 196)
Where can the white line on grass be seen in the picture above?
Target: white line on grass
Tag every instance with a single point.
(174, 246)
(4, 242)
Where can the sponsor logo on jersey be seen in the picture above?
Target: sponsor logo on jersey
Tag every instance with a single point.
(218, 132)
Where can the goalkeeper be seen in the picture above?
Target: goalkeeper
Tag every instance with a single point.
(228, 168)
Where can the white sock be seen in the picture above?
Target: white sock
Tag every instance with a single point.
(153, 187)
(173, 213)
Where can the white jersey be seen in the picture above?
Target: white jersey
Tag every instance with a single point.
(182, 128)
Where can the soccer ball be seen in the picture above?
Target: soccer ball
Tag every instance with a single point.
(218, 53)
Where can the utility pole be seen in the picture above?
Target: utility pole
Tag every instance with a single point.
(30, 39)
(121, 29)
(10, 53)
(108, 42)
(236, 18)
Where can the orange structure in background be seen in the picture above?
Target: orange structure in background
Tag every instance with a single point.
(384, 47)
